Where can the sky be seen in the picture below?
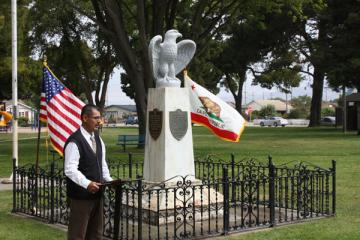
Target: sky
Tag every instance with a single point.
(116, 97)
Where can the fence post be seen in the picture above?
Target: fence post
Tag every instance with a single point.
(52, 205)
(272, 192)
(139, 220)
(226, 215)
(130, 165)
(334, 186)
(233, 189)
(35, 192)
(118, 202)
(14, 184)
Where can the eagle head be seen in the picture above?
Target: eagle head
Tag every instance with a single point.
(172, 35)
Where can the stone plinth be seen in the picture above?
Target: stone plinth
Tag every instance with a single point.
(163, 203)
(167, 157)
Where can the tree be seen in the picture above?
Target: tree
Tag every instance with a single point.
(343, 59)
(301, 107)
(267, 111)
(311, 42)
(129, 26)
(84, 63)
(261, 35)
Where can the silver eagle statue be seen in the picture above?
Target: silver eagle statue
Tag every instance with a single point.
(168, 58)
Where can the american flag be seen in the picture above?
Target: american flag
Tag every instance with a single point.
(60, 108)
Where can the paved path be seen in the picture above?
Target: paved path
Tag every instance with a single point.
(26, 130)
(5, 186)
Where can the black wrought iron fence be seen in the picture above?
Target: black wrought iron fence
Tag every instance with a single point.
(223, 197)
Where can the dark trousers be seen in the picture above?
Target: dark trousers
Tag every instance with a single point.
(86, 219)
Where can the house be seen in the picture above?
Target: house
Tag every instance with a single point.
(23, 110)
(280, 106)
(118, 113)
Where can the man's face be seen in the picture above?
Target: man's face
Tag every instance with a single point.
(92, 120)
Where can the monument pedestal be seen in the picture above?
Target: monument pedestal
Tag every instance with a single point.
(171, 189)
(169, 144)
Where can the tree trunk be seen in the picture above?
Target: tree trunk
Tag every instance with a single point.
(236, 89)
(238, 97)
(317, 58)
(141, 103)
(317, 91)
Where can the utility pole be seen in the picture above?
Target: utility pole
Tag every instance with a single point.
(14, 81)
(344, 109)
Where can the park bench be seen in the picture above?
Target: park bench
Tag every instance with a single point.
(125, 140)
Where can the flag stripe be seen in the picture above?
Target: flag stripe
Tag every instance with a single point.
(224, 134)
(71, 97)
(54, 131)
(57, 123)
(67, 106)
(43, 112)
(58, 144)
(58, 111)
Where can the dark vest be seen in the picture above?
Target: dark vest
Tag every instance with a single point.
(90, 164)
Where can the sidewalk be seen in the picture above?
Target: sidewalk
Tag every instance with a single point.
(26, 130)
(5, 186)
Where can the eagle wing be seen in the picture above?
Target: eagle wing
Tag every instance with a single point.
(154, 54)
(185, 52)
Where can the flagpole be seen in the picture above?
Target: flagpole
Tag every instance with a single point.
(39, 126)
(14, 82)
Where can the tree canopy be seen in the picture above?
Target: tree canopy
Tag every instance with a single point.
(259, 43)
(273, 40)
(77, 52)
(343, 58)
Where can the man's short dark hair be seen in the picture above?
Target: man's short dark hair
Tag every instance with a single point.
(87, 109)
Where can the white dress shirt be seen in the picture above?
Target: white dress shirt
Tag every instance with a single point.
(72, 157)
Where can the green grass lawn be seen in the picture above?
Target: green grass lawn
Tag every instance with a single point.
(20, 228)
(317, 146)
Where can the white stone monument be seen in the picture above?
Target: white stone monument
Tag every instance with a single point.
(169, 146)
(169, 155)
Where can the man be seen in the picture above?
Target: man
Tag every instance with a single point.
(85, 169)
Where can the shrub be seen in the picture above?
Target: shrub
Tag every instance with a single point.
(298, 113)
(267, 111)
(23, 121)
(327, 112)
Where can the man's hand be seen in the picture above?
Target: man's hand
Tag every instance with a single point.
(93, 187)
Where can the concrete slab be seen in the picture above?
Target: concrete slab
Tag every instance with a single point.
(5, 184)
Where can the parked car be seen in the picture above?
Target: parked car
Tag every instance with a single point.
(328, 121)
(131, 121)
(274, 121)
